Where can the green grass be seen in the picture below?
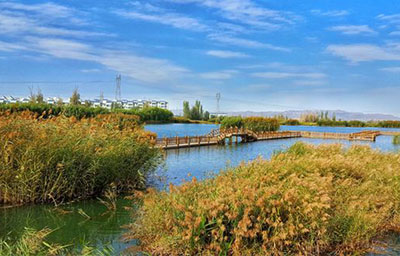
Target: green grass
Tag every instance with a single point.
(309, 200)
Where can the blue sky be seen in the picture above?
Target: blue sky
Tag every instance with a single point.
(260, 55)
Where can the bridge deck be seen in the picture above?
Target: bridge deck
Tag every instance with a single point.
(216, 137)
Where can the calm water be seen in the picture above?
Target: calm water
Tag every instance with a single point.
(105, 228)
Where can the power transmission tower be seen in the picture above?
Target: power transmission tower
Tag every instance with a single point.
(118, 87)
(218, 96)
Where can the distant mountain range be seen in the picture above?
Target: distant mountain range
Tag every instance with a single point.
(340, 114)
(296, 114)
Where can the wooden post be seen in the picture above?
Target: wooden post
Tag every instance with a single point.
(177, 141)
(166, 142)
(188, 140)
(198, 139)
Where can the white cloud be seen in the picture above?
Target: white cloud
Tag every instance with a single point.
(219, 75)
(92, 70)
(45, 11)
(334, 13)
(391, 69)
(10, 47)
(43, 19)
(226, 54)
(245, 42)
(247, 12)
(353, 29)
(144, 69)
(394, 19)
(395, 33)
(283, 75)
(364, 52)
(172, 19)
(309, 82)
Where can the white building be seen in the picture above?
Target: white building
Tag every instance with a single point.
(104, 103)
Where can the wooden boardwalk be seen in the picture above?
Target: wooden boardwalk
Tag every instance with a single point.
(235, 135)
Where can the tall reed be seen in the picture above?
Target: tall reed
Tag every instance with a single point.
(60, 159)
(310, 200)
(396, 139)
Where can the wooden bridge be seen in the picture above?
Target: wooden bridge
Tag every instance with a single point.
(235, 135)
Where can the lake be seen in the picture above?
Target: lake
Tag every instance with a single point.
(201, 162)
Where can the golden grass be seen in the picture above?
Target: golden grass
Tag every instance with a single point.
(59, 159)
(309, 200)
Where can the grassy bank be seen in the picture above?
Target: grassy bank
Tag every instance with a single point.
(59, 159)
(308, 200)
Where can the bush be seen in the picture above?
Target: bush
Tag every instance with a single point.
(396, 140)
(389, 124)
(309, 200)
(232, 122)
(60, 159)
(149, 114)
(255, 124)
(292, 122)
(261, 124)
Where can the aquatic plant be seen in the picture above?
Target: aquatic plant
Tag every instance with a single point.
(261, 124)
(232, 122)
(396, 139)
(59, 159)
(309, 200)
(256, 124)
(34, 242)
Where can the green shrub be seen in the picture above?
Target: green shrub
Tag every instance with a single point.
(396, 139)
(261, 124)
(232, 122)
(292, 122)
(389, 124)
(148, 114)
(310, 200)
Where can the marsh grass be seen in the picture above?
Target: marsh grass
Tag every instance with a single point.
(396, 140)
(60, 159)
(309, 200)
(33, 243)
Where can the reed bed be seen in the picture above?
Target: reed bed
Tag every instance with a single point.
(34, 242)
(396, 140)
(309, 200)
(58, 159)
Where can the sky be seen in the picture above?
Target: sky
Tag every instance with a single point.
(260, 55)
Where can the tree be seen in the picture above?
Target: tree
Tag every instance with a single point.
(60, 102)
(39, 96)
(334, 116)
(206, 116)
(88, 103)
(196, 112)
(32, 95)
(326, 115)
(36, 97)
(186, 110)
(75, 98)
